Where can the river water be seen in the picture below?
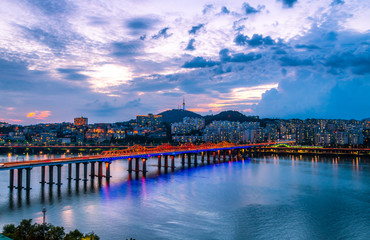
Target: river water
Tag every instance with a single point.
(260, 198)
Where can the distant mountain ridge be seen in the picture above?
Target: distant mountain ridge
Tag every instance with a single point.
(177, 115)
(232, 116)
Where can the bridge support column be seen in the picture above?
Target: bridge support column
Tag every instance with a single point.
(166, 161)
(202, 158)
(43, 175)
(77, 172)
(85, 171)
(129, 162)
(100, 169)
(173, 162)
(208, 157)
(69, 172)
(183, 159)
(107, 170)
(189, 160)
(19, 172)
(144, 167)
(137, 166)
(92, 170)
(195, 159)
(59, 175)
(214, 157)
(11, 179)
(51, 168)
(218, 156)
(28, 179)
(159, 162)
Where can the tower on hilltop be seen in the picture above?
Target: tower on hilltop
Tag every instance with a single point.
(183, 103)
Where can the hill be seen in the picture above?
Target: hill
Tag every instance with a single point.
(176, 115)
(232, 116)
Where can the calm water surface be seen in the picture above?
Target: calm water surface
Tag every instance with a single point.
(260, 198)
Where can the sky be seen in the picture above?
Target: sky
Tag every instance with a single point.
(112, 60)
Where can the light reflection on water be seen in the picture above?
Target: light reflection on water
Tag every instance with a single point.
(261, 198)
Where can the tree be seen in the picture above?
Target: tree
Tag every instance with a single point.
(74, 235)
(91, 236)
(9, 231)
(55, 233)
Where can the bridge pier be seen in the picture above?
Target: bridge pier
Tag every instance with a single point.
(85, 171)
(77, 172)
(214, 157)
(129, 168)
(28, 179)
(166, 161)
(20, 176)
(51, 175)
(59, 175)
(195, 159)
(208, 157)
(100, 169)
(159, 162)
(69, 172)
(11, 179)
(189, 160)
(173, 162)
(92, 170)
(183, 160)
(107, 170)
(137, 166)
(43, 175)
(202, 158)
(144, 167)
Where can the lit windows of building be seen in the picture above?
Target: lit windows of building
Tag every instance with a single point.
(81, 121)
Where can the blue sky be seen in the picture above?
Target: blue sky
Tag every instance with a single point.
(111, 60)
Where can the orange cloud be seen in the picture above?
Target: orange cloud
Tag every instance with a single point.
(31, 114)
(41, 115)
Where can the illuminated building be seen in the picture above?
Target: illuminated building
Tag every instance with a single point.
(81, 121)
(149, 120)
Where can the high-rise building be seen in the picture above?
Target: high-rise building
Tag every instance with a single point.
(81, 121)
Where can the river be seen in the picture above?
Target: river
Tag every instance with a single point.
(266, 197)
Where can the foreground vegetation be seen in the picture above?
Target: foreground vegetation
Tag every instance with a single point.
(28, 231)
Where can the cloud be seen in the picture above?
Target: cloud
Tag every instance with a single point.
(55, 42)
(294, 61)
(127, 49)
(337, 2)
(288, 3)
(72, 74)
(199, 62)
(224, 10)
(52, 8)
(190, 46)
(162, 33)
(359, 62)
(140, 25)
(207, 8)
(238, 57)
(248, 9)
(256, 40)
(309, 47)
(195, 29)
(40, 115)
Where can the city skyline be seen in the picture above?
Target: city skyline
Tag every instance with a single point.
(113, 61)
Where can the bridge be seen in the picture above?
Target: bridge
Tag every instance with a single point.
(188, 153)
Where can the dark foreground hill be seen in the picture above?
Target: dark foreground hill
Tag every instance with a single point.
(176, 115)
